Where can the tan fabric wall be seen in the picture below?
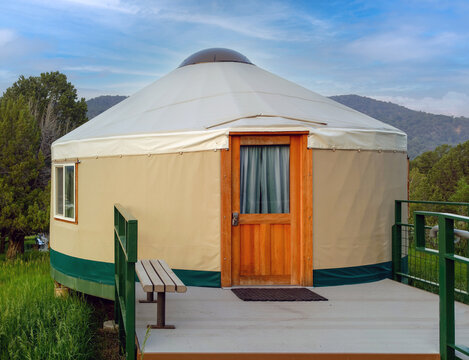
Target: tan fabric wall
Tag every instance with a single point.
(176, 199)
(353, 206)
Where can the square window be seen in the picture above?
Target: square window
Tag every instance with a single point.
(65, 192)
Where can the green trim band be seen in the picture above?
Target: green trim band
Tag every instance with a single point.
(199, 278)
(97, 277)
(102, 273)
(352, 275)
(95, 271)
(84, 286)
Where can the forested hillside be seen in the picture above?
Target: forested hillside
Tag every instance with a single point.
(425, 131)
(100, 104)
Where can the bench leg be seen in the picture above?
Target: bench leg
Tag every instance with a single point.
(161, 313)
(149, 299)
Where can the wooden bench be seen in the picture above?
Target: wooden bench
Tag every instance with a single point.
(156, 276)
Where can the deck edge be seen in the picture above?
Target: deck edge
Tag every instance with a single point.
(285, 356)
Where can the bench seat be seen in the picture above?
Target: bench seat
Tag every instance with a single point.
(157, 276)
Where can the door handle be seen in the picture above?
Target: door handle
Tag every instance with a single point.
(235, 219)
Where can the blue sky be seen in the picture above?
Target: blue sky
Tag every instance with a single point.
(415, 53)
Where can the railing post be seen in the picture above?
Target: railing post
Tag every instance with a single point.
(467, 255)
(397, 241)
(125, 257)
(130, 287)
(446, 247)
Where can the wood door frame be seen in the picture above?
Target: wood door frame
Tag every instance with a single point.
(303, 232)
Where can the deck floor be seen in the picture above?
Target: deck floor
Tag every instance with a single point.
(383, 317)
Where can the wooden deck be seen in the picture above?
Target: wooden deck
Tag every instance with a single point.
(381, 320)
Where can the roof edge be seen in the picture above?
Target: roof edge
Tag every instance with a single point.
(213, 140)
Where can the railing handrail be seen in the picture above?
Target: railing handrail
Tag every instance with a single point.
(433, 202)
(446, 215)
(447, 258)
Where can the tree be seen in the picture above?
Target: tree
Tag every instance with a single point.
(54, 104)
(427, 160)
(445, 174)
(461, 193)
(441, 175)
(2, 241)
(23, 204)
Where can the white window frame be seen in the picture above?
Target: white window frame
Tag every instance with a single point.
(58, 216)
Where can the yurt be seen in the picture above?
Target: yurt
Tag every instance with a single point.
(236, 176)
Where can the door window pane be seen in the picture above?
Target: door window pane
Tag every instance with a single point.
(59, 190)
(265, 179)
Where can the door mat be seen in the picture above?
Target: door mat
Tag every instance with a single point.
(278, 294)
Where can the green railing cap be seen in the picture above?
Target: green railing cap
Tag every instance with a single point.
(126, 214)
(446, 215)
(433, 202)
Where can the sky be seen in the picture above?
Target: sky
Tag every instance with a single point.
(414, 53)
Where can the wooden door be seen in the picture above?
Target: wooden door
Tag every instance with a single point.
(265, 249)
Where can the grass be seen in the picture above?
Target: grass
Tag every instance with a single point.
(425, 266)
(34, 324)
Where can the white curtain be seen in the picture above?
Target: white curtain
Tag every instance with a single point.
(265, 179)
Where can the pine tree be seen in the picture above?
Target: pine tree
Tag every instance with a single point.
(23, 204)
(55, 106)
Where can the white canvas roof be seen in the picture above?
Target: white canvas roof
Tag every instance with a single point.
(195, 107)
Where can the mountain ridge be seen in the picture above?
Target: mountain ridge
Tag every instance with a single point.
(101, 103)
(425, 131)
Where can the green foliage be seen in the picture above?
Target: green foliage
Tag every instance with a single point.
(33, 323)
(425, 131)
(53, 102)
(34, 112)
(441, 175)
(424, 162)
(50, 94)
(23, 205)
(461, 193)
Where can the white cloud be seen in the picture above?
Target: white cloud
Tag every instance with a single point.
(6, 36)
(113, 5)
(251, 26)
(452, 103)
(109, 69)
(261, 20)
(403, 45)
(5, 74)
(14, 47)
(121, 88)
(89, 93)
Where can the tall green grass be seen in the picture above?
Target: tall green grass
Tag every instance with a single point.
(33, 323)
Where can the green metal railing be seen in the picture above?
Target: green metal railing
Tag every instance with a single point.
(421, 269)
(125, 257)
(446, 260)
